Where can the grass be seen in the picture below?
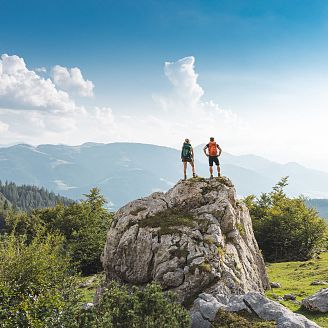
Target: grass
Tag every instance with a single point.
(295, 278)
(168, 221)
(204, 267)
(88, 292)
(221, 251)
(241, 229)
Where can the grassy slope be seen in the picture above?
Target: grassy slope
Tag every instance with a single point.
(295, 278)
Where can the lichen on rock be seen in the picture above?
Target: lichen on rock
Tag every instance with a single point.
(194, 238)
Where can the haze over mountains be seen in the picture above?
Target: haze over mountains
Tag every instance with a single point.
(125, 171)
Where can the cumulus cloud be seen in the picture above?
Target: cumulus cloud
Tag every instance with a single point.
(183, 77)
(36, 109)
(53, 116)
(71, 80)
(41, 70)
(21, 88)
(191, 115)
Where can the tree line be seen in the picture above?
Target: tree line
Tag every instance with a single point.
(27, 197)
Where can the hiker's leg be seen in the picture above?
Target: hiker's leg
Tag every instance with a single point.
(219, 170)
(211, 170)
(192, 163)
(185, 169)
(210, 162)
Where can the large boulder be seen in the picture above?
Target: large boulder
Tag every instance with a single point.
(195, 238)
(317, 302)
(206, 307)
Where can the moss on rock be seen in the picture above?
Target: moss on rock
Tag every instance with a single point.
(169, 221)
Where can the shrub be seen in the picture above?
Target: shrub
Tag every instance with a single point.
(285, 228)
(148, 307)
(84, 226)
(35, 287)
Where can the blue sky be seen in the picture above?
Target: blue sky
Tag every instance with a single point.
(264, 62)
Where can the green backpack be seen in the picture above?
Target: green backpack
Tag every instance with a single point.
(186, 150)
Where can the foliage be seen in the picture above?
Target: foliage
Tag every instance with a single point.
(84, 226)
(243, 319)
(27, 197)
(36, 289)
(148, 307)
(285, 228)
(296, 278)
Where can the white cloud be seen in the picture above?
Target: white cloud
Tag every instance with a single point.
(41, 70)
(189, 114)
(34, 110)
(21, 88)
(71, 80)
(183, 77)
(3, 127)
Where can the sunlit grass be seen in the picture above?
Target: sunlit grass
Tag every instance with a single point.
(296, 278)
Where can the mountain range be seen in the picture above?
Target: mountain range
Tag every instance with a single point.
(125, 171)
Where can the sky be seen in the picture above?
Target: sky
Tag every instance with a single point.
(253, 74)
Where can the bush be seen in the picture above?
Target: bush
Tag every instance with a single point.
(286, 229)
(84, 226)
(148, 307)
(36, 289)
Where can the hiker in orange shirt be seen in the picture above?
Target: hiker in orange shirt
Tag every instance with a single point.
(214, 151)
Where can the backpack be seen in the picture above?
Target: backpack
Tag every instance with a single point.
(186, 150)
(212, 149)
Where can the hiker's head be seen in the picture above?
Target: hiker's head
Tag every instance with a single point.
(211, 139)
(187, 140)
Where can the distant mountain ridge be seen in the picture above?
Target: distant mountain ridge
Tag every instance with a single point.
(125, 171)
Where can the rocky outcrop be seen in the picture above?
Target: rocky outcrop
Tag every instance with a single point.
(317, 302)
(195, 238)
(206, 307)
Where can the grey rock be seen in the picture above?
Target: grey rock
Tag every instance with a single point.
(254, 302)
(275, 284)
(319, 283)
(273, 311)
(197, 321)
(317, 302)
(87, 306)
(277, 297)
(289, 297)
(186, 240)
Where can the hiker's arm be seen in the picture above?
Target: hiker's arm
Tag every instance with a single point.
(220, 150)
(192, 152)
(204, 149)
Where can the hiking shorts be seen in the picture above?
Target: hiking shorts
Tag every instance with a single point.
(213, 159)
(186, 159)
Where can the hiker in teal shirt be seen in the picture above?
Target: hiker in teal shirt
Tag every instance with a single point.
(187, 156)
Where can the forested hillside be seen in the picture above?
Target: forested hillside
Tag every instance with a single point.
(27, 197)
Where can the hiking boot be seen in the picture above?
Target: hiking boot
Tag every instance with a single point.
(185, 178)
(219, 175)
(211, 177)
(194, 175)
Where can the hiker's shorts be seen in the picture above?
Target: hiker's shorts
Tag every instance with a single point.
(186, 159)
(213, 159)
